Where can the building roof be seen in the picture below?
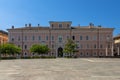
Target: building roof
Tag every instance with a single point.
(4, 32)
(116, 37)
(47, 28)
(30, 28)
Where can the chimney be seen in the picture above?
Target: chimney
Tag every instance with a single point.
(29, 24)
(38, 25)
(12, 27)
(91, 25)
(25, 25)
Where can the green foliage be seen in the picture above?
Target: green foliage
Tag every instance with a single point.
(39, 49)
(70, 47)
(10, 49)
(8, 58)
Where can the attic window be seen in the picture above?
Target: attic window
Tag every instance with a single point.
(60, 25)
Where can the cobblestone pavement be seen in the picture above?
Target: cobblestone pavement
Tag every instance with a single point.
(60, 69)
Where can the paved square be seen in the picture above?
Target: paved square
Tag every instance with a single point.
(60, 69)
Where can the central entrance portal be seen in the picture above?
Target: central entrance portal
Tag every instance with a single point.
(60, 52)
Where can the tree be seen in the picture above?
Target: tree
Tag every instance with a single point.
(9, 49)
(39, 49)
(70, 47)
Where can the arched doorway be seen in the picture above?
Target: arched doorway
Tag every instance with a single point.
(60, 52)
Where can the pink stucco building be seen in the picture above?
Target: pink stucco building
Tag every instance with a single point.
(92, 40)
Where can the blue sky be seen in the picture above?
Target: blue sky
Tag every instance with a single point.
(99, 12)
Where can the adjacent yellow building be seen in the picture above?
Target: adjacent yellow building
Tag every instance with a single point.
(117, 45)
(3, 37)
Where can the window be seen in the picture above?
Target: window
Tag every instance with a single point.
(101, 46)
(80, 37)
(87, 46)
(33, 38)
(95, 46)
(19, 38)
(87, 37)
(101, 54)
(52, 46)
(43, 42)
(101, 37)
(26, 38)
(25, 54)
(77, 46)
(60, 25)
(95, 38)
(67, 37)
(60, 38)
(108, 37)
(25, 46)
(52, 37)
(81, 54)
(108, 46)
(12, 39)
(87, 54)
(95, 54)
(81, 46)
(39, 38)
(73, 37)
(46, 37)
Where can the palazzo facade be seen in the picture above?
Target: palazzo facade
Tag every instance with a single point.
(92, 41)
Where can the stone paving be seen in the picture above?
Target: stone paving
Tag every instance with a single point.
(60, 69)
